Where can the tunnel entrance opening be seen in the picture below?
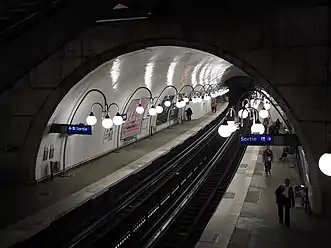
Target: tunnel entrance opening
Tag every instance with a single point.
(37, 130)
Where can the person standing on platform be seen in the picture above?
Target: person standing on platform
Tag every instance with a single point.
(272, 129)
(285, 200)
(286, 151)
(278, 124)
(214, 107)
(189, 113)
(268, 158)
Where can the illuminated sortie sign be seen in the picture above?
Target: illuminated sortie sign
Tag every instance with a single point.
(79, 129)
(256, 140)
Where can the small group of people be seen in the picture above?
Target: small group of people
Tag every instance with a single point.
(268, 158)
(274, 129)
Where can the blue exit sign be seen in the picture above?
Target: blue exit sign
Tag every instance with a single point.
(256, 140)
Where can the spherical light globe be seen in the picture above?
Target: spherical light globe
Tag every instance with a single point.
(140, 109)
(207, 97)
(107, 122)
(224, 131)
(152, 111)
(263, 113)
(267, 106)
(230, 123)
(186, 99)
(243, 113)
(118, 120)
(159, 109)
(199, 99)
(178, 104)
(194, 100)
(91, 120)
(167, 103)
(257, 128)
(183, 103)
(324, 164)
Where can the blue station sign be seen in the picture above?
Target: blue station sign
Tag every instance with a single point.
(79, 129)
(71, 129)
(256, 140)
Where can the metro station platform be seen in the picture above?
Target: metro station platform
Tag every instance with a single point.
(32, 208)
(247, 215)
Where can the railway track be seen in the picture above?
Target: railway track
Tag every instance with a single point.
(130, 196)
(141, 223)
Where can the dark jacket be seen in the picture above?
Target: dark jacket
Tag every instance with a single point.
(281, 199)
(266, 154)
(189, 111)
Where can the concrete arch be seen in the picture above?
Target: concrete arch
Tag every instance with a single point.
(33, 138)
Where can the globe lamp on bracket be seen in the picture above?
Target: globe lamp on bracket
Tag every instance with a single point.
(178, 104)
(207, 97)
(118, 119)
(324, 163)
(186, 99)
(107, 122)
(159, 109)
(140, 109)
(263, 113)
(91, 119)
(167, 103)
(267, 106)
(257, 127)
(152, 111)
(224, 131)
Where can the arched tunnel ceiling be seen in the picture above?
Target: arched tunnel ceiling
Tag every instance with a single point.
(153, 67)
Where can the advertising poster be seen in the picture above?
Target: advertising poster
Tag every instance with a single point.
(170, 111)
(108, 135)
(133, 124)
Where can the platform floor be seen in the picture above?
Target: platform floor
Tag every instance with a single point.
(247, 215)
(21, 202)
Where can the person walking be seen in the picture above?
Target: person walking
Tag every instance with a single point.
(285, 201)
(214, 107)
(189, 113)
(268, 158)
(277, 124)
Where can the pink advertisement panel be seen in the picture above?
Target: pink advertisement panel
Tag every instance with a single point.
(132, 125)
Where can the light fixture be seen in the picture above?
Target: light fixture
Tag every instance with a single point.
(194, 100)
(186, 99)
(263, 113)
(167, 103)
(178, 104)
(91, 119)
(324, 163)
(159, 109)
(118, 119)
(207, 97)
(140, 109)
(243, 113)
(199, 99)
(267, 106)
(183, 104)
(257, 127)
(224, 131)
(107, 122)
(152, 111)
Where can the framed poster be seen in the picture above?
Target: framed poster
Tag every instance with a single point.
(170, 112)
(51, 152)
(108, 135)
(45, 156)
(133, 123)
